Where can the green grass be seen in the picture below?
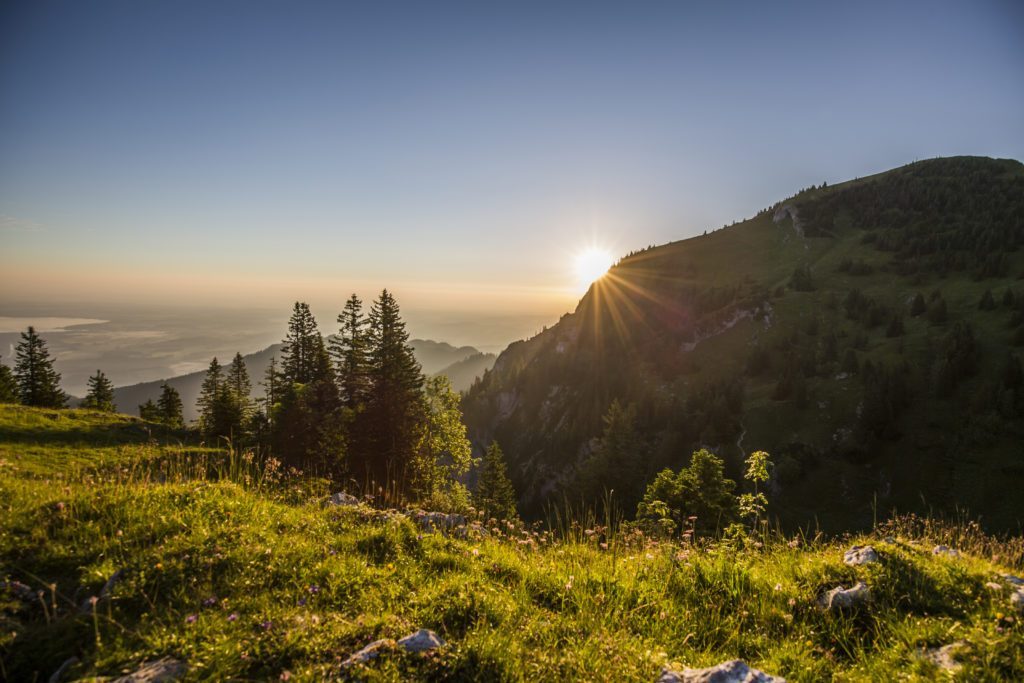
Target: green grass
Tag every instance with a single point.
(249, 578)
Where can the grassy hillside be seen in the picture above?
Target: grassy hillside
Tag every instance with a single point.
(242, 573)
(797, 332)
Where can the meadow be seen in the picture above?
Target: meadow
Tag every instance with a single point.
(242, 571)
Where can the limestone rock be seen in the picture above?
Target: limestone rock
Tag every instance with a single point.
(369, 652)
(1017, 600)
(945, 550)
(860, 554)
(945, 657)
(62, 669)
(735, 671)
(342, 498)
(1010, 578)
(845, 598)
(158, 671)
(21, 591)
(421, 641)
(437, 521)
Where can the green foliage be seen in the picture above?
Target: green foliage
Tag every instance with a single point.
(38, 382)
(494, 495)
(444, 454)
(752, 506)
(149, 411)
(699, 493)
(101, 394)
(801, 281)
(8, 385)
(616, 460)
(350, 352)
(208, 395)
(394, 413)
(304, 357)
(170, 407)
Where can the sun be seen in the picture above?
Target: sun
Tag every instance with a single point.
(590, 265)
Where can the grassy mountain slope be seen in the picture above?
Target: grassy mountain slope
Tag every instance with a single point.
(435, 357)
(795, 332)
(463, 373)
(245, 576)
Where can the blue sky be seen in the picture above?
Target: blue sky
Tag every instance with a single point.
(252, 153)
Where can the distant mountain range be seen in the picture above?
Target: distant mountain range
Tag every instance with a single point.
(462, 365)
(867, 334)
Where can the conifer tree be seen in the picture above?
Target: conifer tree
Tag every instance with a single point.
(303, 358)
(350, 353)
(494, 495)
(394, 407)
(170, 407)
(271, 390)
(238, 383)
(38, 382)
(917, 306)
(101, 394)
(8, 385)
(149, 411)
(208, 394)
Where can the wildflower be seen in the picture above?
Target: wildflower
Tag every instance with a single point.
(476, 552)
(778, 586)
(314, 589)
(210, 601)
(60, 507)
(285, 676)
(791, 602)
(159, 566)
(266, 624)
(302, 602)
(233, 616)
(192, 618)
(603, 546)
(93, 600)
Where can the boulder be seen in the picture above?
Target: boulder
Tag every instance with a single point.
(735, 671)
(438, 521)
(845, 598)
(1017, 600)
(158, 671)
(421, 641)
(21, 591)
(369, 652)
(344, 499)
(945, 550)
(945, 657)
(860, 554)
(62, 669)
(1010, 578)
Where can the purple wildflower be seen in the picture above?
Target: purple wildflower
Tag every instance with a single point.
(314, 589)
(266, 625)
(210, 601)
(302, 602)
(233, 616)
(192, 618)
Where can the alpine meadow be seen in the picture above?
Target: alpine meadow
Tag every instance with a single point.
(663, 343)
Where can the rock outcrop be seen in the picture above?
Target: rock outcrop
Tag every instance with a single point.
(860, 554)
(840, 598)
(735, 671)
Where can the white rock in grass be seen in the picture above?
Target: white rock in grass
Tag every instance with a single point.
(945, 550)
(369, 652)
(845, 598)
(860, 554)
(421, 641)
(159, 671)
(1017, 600)
(1010, 578)
(735, 671)
(342, 498)
(945, 657)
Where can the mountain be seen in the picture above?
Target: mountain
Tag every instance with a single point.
(865, 334)
(462, 365)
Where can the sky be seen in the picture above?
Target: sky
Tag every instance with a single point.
(250, 154)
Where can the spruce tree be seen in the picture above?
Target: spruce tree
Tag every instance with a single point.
(149, 412)
(303, 358)
(208, 394)
(238, 383)
(350, 355)
(170, 407)
(8, 385)
(494, 495)
(38, 382)
(917, 306)
(394, 409)
(101, 394)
